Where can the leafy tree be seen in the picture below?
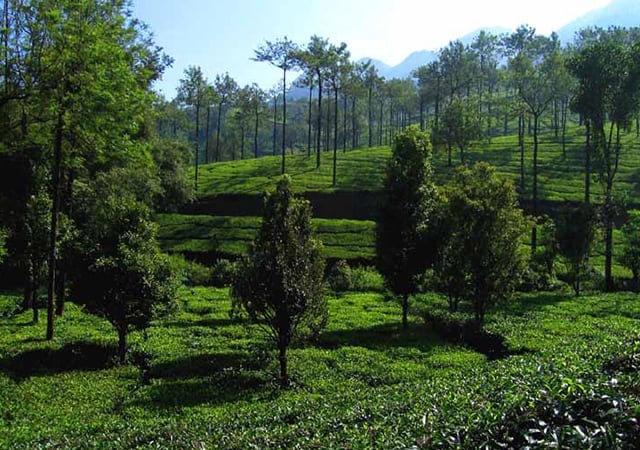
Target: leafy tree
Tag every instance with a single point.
(533, 71)
(575, 233)
(608, 95)
(459, 126)
(120, 273)
(630, 256)
(315, 59)
(225, 89)
(480, 258)
(279, 283)
(282, 54)
(372, 81)
(337, 72)
(172, 160)
(401, 233)
(191, 92)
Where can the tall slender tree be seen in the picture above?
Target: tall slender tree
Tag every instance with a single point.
(608, 95)
(192, 92)
(225, 89)
(281, 53)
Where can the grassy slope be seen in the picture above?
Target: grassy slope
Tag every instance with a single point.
(363, 169)
(342, 239)
(367, 384)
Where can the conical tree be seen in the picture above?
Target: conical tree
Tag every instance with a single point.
(279, 284)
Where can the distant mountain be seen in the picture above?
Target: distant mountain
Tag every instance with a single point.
(413, 61)
(422, 57)
(623, 13)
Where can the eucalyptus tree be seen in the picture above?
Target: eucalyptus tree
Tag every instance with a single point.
(355, 88)
(225, 88)
(242, 117)
(338, 70)
(608, 95)
(458, 68)
(533, 72)
(421, 74)
(256, 101)
(372, 81)
(314, 59)
(192, 91)
(485, 49)
(281, 53)
(514, 46)
(307, 80)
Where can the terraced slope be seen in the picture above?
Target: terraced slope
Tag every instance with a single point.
(342, 239)
(560, 178)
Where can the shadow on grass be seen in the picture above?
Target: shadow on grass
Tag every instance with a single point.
(382, 337)
(208, 323)
(82, 356)
(212, 379)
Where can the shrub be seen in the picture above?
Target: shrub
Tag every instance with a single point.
(191, 273)
(279, 284)
(223, 273)
(366, 279)
(340, 277)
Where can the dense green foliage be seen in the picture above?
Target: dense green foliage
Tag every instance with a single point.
(480, 258)
(341, 238)
(279, 283)
(119, 272)
(365, 384)
(403, 245)
(575, 234)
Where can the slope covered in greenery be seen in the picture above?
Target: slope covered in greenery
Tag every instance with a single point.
(342, 239)
(560, 178)
(571, 376)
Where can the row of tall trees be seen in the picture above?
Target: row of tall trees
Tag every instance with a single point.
(81, 166)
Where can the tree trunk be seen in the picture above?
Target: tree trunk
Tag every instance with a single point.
(587, 164)
(60, 292)
(242, 143)
(335, 136)
(275, 125)
(355, 139)
(218, 126)
(284, 120)
(208, 131)
(197, 150)
(344, 123)
(310, 120)
(534, 230)
(122, 344)
(284, 375)
(405, 311)
(255, 135)
(521, 144)
(370, 118)
(53, 232)
(319, 122)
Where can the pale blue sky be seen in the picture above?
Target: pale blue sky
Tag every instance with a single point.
(220, 35)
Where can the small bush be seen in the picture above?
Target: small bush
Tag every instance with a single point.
(366, 279)
(340, 277)
(223, 273)
(191, 273)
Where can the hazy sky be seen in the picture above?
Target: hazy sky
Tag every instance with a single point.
(221, 35)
